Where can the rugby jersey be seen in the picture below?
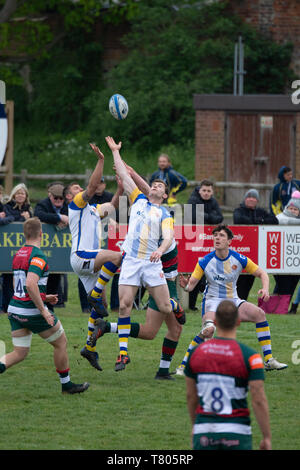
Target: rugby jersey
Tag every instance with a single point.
(170, 261)
(146, 222)
(85, 226)
(222, 274)
(222, 369)
(28, 259)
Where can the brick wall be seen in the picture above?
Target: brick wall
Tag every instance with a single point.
(209, 151)
(277, 19)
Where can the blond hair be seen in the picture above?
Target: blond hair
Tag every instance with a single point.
(16, 189)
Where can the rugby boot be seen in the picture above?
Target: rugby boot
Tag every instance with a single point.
(92, 357)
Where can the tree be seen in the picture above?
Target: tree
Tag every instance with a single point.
(175, 52)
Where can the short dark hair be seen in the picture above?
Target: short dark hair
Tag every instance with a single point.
(226, 229)
(226, 315)
(206, 183)
(287, 170)
(158, 180)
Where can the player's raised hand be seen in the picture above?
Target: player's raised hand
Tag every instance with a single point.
(97, 151)
(112, 144)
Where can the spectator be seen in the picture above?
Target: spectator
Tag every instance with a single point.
(249, 213)
(282, 191)
(286, 283)
(3, 197)
(18, 204)
(17, 209)
(54, 210)
(291, 212)
(174, 180)
(203, 194)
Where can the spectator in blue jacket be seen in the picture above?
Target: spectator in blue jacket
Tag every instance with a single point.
(282, 191)
(175, 181)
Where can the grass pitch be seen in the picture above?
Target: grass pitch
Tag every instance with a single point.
(129, 410)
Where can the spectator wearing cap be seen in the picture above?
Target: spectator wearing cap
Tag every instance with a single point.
(249, 213)
(54, 210)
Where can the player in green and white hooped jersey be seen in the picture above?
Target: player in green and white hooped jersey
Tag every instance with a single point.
(28, 313)
(218, 375)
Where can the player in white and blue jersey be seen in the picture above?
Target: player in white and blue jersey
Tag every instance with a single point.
(93, 265)
(150, 235)
(222, 268)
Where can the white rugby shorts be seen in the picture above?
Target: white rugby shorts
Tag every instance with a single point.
(210, 304)
(84, 268)
(138, 272)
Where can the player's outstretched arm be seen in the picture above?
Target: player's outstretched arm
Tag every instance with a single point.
(121, 170)
(96, 175)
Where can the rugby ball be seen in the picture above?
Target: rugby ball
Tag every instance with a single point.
(118, 106)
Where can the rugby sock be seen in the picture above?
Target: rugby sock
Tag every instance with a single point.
(174, 304)
(264, 337)
(195, 342)
(64, 378)
(168, 351)
(107, 272)
(2, 367)
(123, 332)
(91, 327)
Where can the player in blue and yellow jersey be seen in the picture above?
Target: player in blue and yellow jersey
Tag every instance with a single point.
(93, 265)
(222, 268)
(154, 318)
(28, 313)
(218, 375)
(150, 235)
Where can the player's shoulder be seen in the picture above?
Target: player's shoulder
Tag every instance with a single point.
(238, 256)
(203, 262)
(78, 202)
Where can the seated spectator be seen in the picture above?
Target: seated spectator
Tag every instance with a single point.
(54, 210)
(282, 191)
(249, 213)
(203, 194)
(175, 181)
(291, 212)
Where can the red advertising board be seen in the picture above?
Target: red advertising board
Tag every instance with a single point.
(195, 242)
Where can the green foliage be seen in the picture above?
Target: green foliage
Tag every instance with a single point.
(61, 84)
(173, 54)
